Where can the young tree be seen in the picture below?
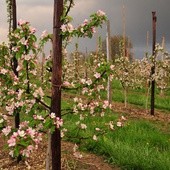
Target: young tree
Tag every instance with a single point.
(116, 47)
(56, 82)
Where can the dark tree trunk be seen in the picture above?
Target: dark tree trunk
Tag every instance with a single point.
(15, 64)
(14, 17)
(56, 83)
(153, 67)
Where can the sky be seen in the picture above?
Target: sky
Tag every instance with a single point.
(138, 20)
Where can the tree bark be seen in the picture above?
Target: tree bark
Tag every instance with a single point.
(56, 82)
(153, 67)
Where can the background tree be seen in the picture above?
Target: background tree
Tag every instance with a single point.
(117, 47)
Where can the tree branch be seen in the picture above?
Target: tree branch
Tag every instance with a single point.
(68, 9)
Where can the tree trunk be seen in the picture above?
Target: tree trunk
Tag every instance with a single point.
(108, 44)
(125, 97)
(15, 64)
(153, 67)
(56, 83)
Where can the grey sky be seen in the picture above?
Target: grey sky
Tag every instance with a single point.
(138, 19)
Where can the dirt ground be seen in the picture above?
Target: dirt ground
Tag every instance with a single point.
(88, 161)
(69, 162)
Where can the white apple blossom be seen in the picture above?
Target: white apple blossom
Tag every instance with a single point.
(21, 133)
(83, 126)
(95, 137)
(119, 124)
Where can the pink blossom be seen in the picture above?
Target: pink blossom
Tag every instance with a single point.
(66, 83)
(93, 29)
(15, 49)
(70, 27)
(11, 141)
(32, 30)
(97, 75)
(6, 130)
(83, 81)
(105, 104)
(39, 92)
(44, 34)
(3, 71)
(15, 134)
(67, 27)
(5, 117)
(89, 82)
(100, 13)
(23, 124)
(25, 43)
(100, 87)
(85, 21)
(64, 28)
(84, 90)
(25, 153)
(10, 109)
(30, 148)
(58, 122)
(22, 22)
(31, 132)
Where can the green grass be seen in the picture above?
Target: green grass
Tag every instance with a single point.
(138, 96)
(138, 145)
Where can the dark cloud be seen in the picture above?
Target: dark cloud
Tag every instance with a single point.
(33, 3)
(138, 16)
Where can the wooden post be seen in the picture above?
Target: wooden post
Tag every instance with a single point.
(15, 64)
(108, 47)
(124, 32)
(14, 60)
(56, 82)
(153, 67)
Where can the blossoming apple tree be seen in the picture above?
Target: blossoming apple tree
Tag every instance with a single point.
(29, 94)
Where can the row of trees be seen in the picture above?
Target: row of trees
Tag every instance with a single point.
(131, 74)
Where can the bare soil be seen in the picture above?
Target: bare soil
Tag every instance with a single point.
(69, 161)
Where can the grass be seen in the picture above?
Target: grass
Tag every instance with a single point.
(138, 145)
(138, 97)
